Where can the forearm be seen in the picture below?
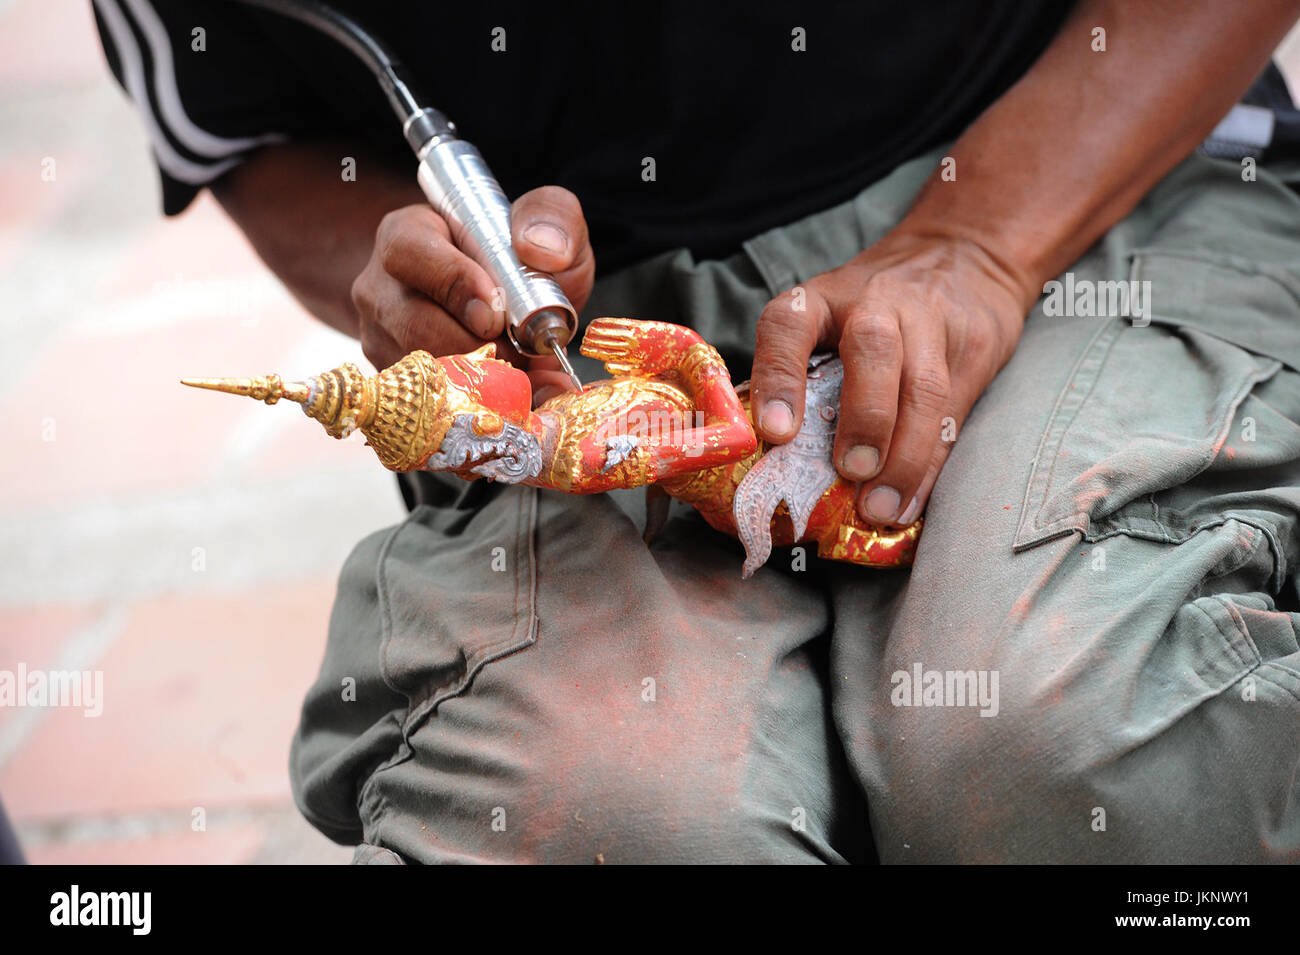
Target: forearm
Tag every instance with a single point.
(312, 228)
(1071, 148)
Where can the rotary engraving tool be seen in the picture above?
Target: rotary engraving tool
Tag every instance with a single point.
(460, 187)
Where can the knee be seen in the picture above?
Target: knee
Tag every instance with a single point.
(1006, 777)
(595, 791)
(670, 792)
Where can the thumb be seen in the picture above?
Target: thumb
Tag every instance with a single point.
(550, 234)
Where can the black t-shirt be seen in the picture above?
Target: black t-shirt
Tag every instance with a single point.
(754, 114)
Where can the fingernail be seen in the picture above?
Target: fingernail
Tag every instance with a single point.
(479, 317)
(860, 462)
(882, 505)
(909, 514)
(777, 418)
(547, 237)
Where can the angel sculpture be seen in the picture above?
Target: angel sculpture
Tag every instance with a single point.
(668, 418)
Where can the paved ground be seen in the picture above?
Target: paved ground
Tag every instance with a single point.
(182, 544)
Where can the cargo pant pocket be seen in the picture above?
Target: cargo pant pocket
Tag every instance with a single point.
(457, 590)
(1172, 453)
(1149, 409)
(1144, 410)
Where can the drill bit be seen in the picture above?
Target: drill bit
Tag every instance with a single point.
(558, 349)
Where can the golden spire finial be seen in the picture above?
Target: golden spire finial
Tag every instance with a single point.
(400, 410)
(269, 388)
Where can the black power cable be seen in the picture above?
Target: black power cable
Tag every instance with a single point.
(378, 58)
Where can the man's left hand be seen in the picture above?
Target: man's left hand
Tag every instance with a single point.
(922, 324)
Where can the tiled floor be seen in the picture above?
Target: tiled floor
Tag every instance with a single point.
(183, 544)
(166, 537)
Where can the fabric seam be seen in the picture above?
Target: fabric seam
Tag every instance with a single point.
(1096, 351)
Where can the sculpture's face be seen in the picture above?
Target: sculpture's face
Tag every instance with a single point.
(480, 381)
(487, 409)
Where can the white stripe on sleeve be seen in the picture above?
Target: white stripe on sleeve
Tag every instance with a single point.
(168, 93)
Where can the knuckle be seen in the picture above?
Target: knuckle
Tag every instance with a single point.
(445, 280)
(873, 423)
(388, 248)
(781, 351)
(780, 326)
(404, 231)
(980, 337)
(557, 199)
(390, 223)
(400, 324)
(360, 293)
(395, 223)
(372, 346)
(453, 292)
(789, 300)
(780, 371)
(869, 333)
(779, 380)
(927, 389)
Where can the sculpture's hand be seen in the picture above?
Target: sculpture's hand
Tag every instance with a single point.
(922, 324)
(633, 347)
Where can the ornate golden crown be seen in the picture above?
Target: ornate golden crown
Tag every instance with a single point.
(400, 410)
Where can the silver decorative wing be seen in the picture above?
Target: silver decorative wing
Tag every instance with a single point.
(512, 455)
(798, 472)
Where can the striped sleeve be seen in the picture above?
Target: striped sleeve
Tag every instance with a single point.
(208, 86)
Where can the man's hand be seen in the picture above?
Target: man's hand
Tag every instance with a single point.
(922, 324)
(419, 291)
(370, 258)
(925, 318)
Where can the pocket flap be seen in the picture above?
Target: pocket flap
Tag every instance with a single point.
(1254, 306)
(1114, 439)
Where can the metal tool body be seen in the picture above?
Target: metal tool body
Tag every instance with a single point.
(461, 188)
(458, 184)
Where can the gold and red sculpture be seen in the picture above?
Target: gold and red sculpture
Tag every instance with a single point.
(668, 417)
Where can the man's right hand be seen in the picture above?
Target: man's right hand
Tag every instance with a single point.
(419, 291)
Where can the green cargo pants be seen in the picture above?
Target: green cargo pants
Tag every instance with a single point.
(1094, 658)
